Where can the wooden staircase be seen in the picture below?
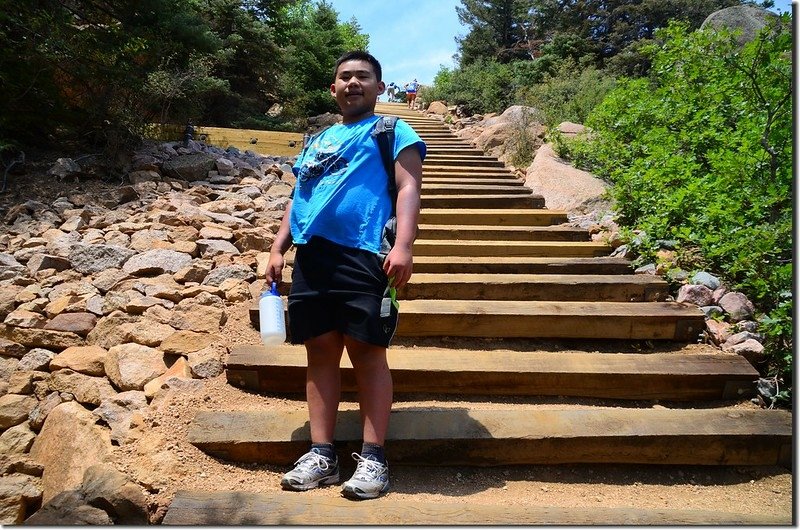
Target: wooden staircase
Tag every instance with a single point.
(536, 309)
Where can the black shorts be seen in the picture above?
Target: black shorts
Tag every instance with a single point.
(337, 288)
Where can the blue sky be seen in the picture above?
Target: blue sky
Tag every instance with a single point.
(414, 39)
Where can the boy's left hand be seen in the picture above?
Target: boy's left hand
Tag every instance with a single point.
(398, 265)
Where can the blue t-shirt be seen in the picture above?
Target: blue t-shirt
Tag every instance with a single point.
(342, 190)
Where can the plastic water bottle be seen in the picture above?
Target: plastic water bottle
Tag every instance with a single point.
(270, 314)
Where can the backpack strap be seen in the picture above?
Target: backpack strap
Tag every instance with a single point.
(383, 132)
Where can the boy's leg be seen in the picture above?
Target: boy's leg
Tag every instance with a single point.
(375, 391)
(323, 384)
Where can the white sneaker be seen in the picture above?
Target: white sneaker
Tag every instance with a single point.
(370, 480)
(310, 471)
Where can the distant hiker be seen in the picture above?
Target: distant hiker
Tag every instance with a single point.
(343, 293)
(411, 93)
(391, 90)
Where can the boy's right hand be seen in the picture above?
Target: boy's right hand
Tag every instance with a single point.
(275, 267)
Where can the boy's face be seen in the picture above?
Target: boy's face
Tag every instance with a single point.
(356, 90)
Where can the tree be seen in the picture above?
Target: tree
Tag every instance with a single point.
(499, 30)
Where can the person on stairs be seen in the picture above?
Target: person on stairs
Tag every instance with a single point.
(411, 93)
(336, 217)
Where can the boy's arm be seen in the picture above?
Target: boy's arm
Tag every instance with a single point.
(283, 240)
(408, 177)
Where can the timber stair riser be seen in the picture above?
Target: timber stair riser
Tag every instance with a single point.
(626, 376)
(496, 217)
(548, 319)
(510, 287)
(503, 265)
(457, 436)
(465, 248)
(499, 233)
(482, 201)
(193, 508)
(473, 189)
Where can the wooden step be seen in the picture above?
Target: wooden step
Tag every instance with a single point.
(546, 319)
(531, 249)
(492, 216)
(521, 265)
(463, 161)
(556, 287)
(502, 233)
(474, 189)
(468, 177)
(482, 201)
(628, 376)
(478, 437)
(226, 508)
(437, 167)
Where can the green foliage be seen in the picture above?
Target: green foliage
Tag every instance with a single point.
(701, 153)
(479, 87)
(568, 95)
(498, 30)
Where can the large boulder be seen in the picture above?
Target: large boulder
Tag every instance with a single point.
(70, 443)
(747, 19)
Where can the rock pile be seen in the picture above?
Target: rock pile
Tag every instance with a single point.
(107, 301)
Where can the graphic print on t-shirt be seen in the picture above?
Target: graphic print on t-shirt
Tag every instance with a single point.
(327, 160)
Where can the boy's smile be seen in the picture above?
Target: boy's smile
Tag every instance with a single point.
(356, 89)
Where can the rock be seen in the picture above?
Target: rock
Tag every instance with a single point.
(124, 501)
(193, 315)
(190, 167)
(19, 495)
(563, 186)
(87, 360)
(41, 338)
(185, 342)
(17, 439)
(737, 306)
(40, 262)
(68, 508)
(86, 389)
(36, 359)
(11, 349)
(751, 349)
(146, 332)
(220, 274)
(206, 363)
(709, 280)
(116, 411)
(14, 409)
(130, 366)
(68, 444)
(90, 259)
(210, 248)
(108, 332)
(25, 319)
(748, 19)
(38, 415)
(699, 295)
(180, 369)
(79, 323)
(155, 262)
(437, 107)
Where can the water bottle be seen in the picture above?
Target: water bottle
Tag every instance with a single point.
(270, 313)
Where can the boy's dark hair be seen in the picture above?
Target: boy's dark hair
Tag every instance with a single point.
(359, 55)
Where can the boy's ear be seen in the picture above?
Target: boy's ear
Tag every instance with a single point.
(381, 87)
(333, 91)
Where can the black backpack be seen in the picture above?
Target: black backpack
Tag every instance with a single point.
(383, 132)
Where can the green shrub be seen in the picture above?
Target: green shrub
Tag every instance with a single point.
(701, 153)
(568, 95)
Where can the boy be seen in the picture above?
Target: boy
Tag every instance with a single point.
(336, 218)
